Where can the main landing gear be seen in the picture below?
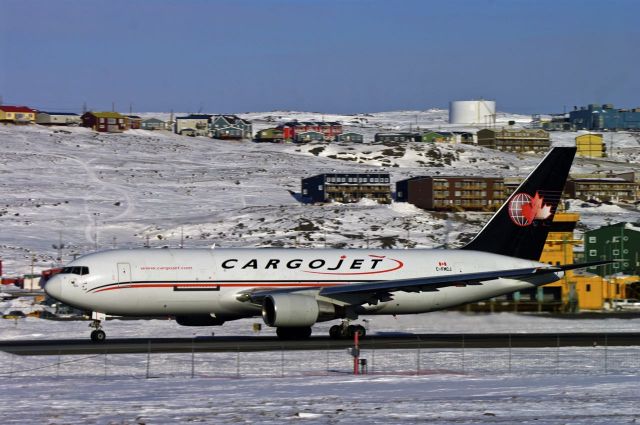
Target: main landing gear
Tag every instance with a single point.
(97, 335)
(346, 331)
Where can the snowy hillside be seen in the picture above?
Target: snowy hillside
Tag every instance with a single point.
(67, 186)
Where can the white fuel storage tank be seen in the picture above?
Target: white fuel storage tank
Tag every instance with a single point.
(474, 112)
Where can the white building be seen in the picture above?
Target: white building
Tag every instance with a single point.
(472, 112)
(58, 118)
(197, 125)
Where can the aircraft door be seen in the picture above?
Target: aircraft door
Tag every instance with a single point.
(124, 273)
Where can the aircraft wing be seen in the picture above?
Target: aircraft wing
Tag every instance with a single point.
(373, 292)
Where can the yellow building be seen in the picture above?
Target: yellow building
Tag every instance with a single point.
(591, 145)
(17, 114)
(578, 289)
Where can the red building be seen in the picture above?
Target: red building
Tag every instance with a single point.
(105, 122)
(328, 129)
(133, 122)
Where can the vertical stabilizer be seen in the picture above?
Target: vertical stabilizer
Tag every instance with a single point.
(520, 227)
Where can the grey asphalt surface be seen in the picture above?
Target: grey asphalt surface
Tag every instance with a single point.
(259, 343)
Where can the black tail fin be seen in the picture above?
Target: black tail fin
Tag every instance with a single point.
(520, 227)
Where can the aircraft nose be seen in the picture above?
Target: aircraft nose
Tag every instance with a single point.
(54, 287)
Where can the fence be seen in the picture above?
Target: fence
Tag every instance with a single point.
(558, 360)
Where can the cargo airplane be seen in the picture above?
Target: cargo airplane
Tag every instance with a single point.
(292, 289)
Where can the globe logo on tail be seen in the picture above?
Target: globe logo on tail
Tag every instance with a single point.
(524, 209)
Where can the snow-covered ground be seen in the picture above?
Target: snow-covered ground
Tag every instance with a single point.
(81, 190)
(588, 385)
(434, 399)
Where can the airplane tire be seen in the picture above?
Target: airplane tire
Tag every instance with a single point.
(98, 336)
(352, 329)
(335, 332)
(293, 333)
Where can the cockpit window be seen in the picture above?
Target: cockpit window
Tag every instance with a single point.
(76, 270)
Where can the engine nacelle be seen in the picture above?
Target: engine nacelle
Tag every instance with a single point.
(294, 310)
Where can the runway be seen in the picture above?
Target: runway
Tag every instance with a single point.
(378, 341)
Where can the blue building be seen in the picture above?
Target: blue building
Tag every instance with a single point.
(604, 117)
(347, 187)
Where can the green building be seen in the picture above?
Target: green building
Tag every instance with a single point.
(619, 241)
(230, 127)
(437, 136)
(350, 137)
(271, 135)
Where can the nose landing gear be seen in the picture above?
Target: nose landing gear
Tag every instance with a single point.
(97, 335)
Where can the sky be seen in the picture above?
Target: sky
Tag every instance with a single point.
(352, 56)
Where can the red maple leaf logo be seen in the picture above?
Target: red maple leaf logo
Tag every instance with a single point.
(535, 209)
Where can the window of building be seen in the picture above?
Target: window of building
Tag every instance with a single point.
(593, 253)
(616, 252)
(588, 287)
(593, 239)
(457, 193)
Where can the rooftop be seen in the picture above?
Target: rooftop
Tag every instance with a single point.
(9, 108)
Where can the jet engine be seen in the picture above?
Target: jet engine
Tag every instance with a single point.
(294, 310)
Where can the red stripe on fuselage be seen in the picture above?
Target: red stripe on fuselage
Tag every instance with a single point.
(399, 266)
(228, 285)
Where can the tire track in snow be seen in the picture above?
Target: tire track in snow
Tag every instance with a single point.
(90, 228)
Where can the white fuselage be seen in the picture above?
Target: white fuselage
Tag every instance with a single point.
(210, 281)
